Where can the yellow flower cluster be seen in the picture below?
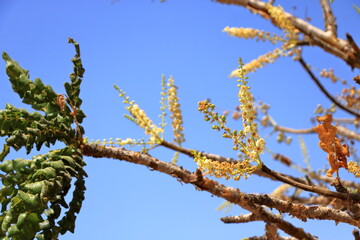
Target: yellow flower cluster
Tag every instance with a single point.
(354, 168)
(255, 145)
(176, 116)
(278, 15)
(261, 61)
(252, 33)
(247, 140)
(143, 120)
(224, 169)
(139, 117)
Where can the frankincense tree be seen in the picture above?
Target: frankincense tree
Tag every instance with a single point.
(33, 195)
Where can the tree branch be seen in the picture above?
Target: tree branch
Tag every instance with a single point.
(312, 188)
(327, 94)
(343, 131)
(251, 217)
(200, 182)
(301, 211)
(271, 231)
(214, 157)
(329, 19)
(325, 40)
(266, 172)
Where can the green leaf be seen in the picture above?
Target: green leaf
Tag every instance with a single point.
(7, 166)
(35, 187)
(46, 173)
(49, 212)
(45, 224)
(7, 221)
(40, 237)
(4, 152)
(21, 219)
(32, 201)
(19, 164)
(13, 230)
(6, 190)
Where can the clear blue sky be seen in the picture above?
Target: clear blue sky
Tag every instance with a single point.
(131, 44)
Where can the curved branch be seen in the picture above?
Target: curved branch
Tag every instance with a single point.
(327, 94)
(266, 172)
(325, 40)
(197, 179)
(223, 159)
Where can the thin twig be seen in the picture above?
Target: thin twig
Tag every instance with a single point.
(343, 131)
(327, 94)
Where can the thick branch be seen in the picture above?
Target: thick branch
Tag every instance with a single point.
(329, 19)
(327, 94)
(271, 231)
(202, 183)
(266, 172)
(325, 40)
(301, 211)
(251, 217)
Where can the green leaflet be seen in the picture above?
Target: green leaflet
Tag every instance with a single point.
(33, 193)
(30, 200)
(35, 187)
(4, 152)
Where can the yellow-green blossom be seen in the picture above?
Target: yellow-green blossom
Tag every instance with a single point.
(176, 116)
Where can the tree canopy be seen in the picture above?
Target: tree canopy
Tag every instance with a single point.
(239, 150)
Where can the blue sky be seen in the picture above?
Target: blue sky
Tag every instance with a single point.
(131, 44)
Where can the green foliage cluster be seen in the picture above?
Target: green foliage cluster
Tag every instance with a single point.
(33, 192)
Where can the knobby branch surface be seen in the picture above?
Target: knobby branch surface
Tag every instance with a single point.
(266, 172)
(323, 39)
(250, 202)
(245, 218)
(197, 179)
(329, 19)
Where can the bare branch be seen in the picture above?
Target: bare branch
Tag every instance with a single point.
(266, 172)
(356, 234)
(325, 40)
(329, 19)
(251, 217)
(301, 211)
(340, 130)
(314, 189)
(353, 45)
(327, 94)
(271, 231)
(215, 157)
(265, 238)
(200, 182)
